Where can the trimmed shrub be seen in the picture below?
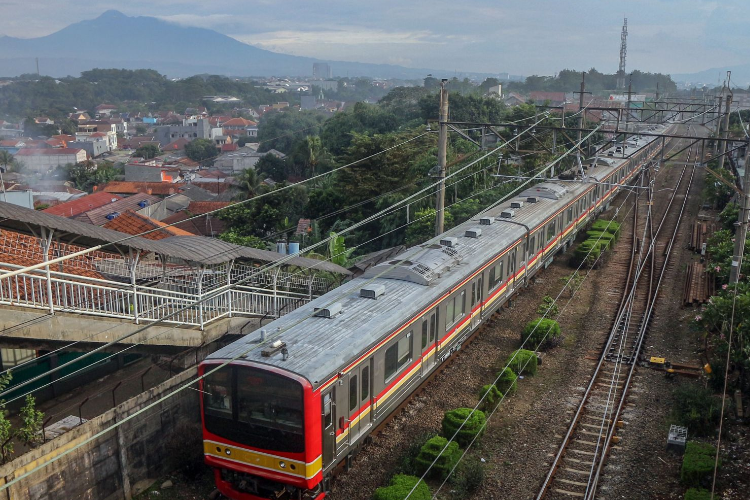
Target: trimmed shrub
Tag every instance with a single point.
(491, 395)
(605, 225)
(473, 426)
(523, 362)
(400, 486)
(697, 494)
(409, 454)
(540, 331)
(698, 448)
(587, 252)
(601, 236)
(507, 382)
(695, 468)
(430, 452)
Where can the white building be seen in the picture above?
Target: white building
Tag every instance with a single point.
(44, 160)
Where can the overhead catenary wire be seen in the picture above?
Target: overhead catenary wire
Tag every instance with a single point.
(178, 390)
(276, 263)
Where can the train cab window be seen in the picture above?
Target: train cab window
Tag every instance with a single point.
(550, 230)
(424, 333)
(353, 399)
(365, 383)
(397, 355)
(256, 408)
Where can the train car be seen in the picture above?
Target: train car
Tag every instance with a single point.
(280, 416)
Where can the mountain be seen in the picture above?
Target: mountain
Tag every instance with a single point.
(716, 76)
(114, 40)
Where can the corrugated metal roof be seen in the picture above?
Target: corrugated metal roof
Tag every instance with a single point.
(189, 248)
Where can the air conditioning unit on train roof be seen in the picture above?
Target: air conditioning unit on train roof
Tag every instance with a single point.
(449, 241)
(516, 204)
(474, 232)
(531, 199)
(372, 291)
(328, 312)
(507, 213)
(486, 221)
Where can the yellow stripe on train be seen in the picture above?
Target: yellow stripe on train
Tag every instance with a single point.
(263, 460)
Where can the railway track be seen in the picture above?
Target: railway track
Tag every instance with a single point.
(577, 466)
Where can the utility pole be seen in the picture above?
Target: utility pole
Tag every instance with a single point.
(442, 158)
(718, 123)
(725, 133)
(581, 113)
(742, 220)
(623, 54)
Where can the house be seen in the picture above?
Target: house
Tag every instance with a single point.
(176, 145)
(102, 215)
(208, 224)
(134, 223)
(136, 142)
(554, 98)
(105, 109)
(126, 188)
(44, 160)
(146, 173)
(79, 116)
(83, 204)
(104, 129)
(94, 146)
(188, 129)
(495, 91)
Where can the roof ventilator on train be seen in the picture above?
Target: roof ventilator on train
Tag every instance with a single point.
(474, 232)
(372, 291)
(328, 312)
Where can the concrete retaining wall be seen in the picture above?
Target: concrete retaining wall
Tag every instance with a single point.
(109, 467)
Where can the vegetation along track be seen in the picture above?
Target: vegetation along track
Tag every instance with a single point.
(577, 466)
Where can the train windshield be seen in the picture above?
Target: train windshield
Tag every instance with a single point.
(255, 408)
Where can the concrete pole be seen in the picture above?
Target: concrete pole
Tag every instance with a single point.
(442, 159)
(718, 124)
(743, 217)
(725, 133)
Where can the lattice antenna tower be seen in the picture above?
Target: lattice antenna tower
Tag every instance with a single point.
(623, 54)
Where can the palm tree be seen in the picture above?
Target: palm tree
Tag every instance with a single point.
(248, 184)
(313, 151)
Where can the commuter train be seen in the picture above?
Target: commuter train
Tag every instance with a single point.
(278, 419)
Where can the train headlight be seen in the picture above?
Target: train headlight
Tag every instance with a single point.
(228, 451)
(282, 464)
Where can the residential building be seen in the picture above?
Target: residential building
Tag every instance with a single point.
(126, 188)
(105, 109)
(44, 160)
(189, 129)
(83, 204)
(496, 91)
(134, 223)
(208, 224)
(98, 129)
(93, 147)
(146, 173)
(554, 98)
(100, 216)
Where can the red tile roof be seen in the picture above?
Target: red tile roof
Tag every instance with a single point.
(238, 122)
(127, 187)
(205, 225)
(98, 216)
(547, 96)
(176, 145)
(203, 207)
(84, 204)
(134, 223)
(229, 147)
(48, 151)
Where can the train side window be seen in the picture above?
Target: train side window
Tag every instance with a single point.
(570, 215)
(397, 355)
(365, 383)
(353, 392)
(550, 230)
(424, 333)
(492, 277)
(473, 293)
(463, 302)
(450, 312)
(531, 243)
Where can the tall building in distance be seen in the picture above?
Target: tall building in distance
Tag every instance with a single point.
(322, 71)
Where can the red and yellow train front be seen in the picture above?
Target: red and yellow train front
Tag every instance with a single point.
(261, 432)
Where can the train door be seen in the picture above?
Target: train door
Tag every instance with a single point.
(476, 300)
(512, 271)
(365, 396)
(428, 341)
(329, 427)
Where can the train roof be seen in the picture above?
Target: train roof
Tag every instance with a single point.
(319, 347)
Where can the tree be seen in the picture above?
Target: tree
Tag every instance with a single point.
(203, 151)
(140, 129)
(6, 159)
(87, 174)
(148, 151)
(423, 227)
(248, 184)
(244, 139)
(280, 130)
(272, 166)
(30, 429)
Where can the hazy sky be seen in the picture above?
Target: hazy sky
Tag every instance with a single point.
(519, 36)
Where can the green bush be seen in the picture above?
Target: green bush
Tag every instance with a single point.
(400, 486)
(601, 236)
(540, 331)
(588, 252)
(696, 408)
(698, 448)
(697, 494)
(473, 425)
(507, 382)
(548, 307)
(606, 225)
(468, 477)
(430, 451)
(491, 395)
(523, 362)
(695, 468)
(409, 454)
